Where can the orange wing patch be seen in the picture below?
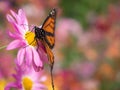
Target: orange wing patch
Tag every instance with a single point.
(50, 40)
(49, 54)
(49, 25)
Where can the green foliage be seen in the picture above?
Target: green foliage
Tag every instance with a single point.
(71, 53)
(110, 85)
(79, 9)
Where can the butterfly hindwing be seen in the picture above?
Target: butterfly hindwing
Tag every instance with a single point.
(50, 40)
(50, 55)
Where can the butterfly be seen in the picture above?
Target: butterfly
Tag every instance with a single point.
(46, 35)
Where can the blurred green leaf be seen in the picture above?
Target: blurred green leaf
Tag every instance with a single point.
(79, 9)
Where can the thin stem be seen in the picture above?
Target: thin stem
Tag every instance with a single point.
(52, 80)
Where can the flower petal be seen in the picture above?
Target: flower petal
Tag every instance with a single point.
(14, 44)
(37, 63)
(42, 54)
(29, 55)
(24, 21)
(19, 29)
(36, 57)
(10, 18)
(11, 85)
(14, 14)
(21, 56)
(38, 86)
(14, 35)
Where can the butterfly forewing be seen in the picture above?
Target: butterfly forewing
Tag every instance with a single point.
(49, 23)
(49, 28)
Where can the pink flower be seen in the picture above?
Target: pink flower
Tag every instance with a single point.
(27, 79)
(67, 27)
(24, 39)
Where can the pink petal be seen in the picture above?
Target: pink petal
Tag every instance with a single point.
(24, 21)
(14, 35)
(28, 55)
(36, 59)
(21, 56)
(19, 24)
(14, 44)
(19, 29)
(11, 85)
(36, 68)
(14, 14)
(10, 18)
(38, 86)
(43, 55)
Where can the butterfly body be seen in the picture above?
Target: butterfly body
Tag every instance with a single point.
(39, 33)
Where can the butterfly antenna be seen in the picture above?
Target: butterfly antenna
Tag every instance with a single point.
(52, 80)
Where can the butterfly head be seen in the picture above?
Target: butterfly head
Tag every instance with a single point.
(53, 12)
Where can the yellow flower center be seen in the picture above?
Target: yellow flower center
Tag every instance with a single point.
(29, 36)
(27, 83)
(2, 84)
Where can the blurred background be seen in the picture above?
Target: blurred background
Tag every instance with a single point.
(87, 48)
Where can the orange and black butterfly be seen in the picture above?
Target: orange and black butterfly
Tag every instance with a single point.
(46, 35)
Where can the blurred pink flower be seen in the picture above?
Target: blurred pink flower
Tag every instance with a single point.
(6, 65)
(90, 84)
(24, 39)
(4, 6)
(27, 79)
(86, 69)
(65, 27)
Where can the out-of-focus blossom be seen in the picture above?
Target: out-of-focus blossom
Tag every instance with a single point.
(113, 50)
(6, 65)
(24, 39)
(27, 79)
(66, 27)
(90, 85)
(86, 69)
(68, 80)
(113, 14)
(4, 6)
(38, 9)
(106, 71)
(102, 24)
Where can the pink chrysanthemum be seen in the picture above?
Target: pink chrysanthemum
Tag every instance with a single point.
(24, 39)
(27, 79)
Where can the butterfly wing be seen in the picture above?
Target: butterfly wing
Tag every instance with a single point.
(49, 28)
(49, 53)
